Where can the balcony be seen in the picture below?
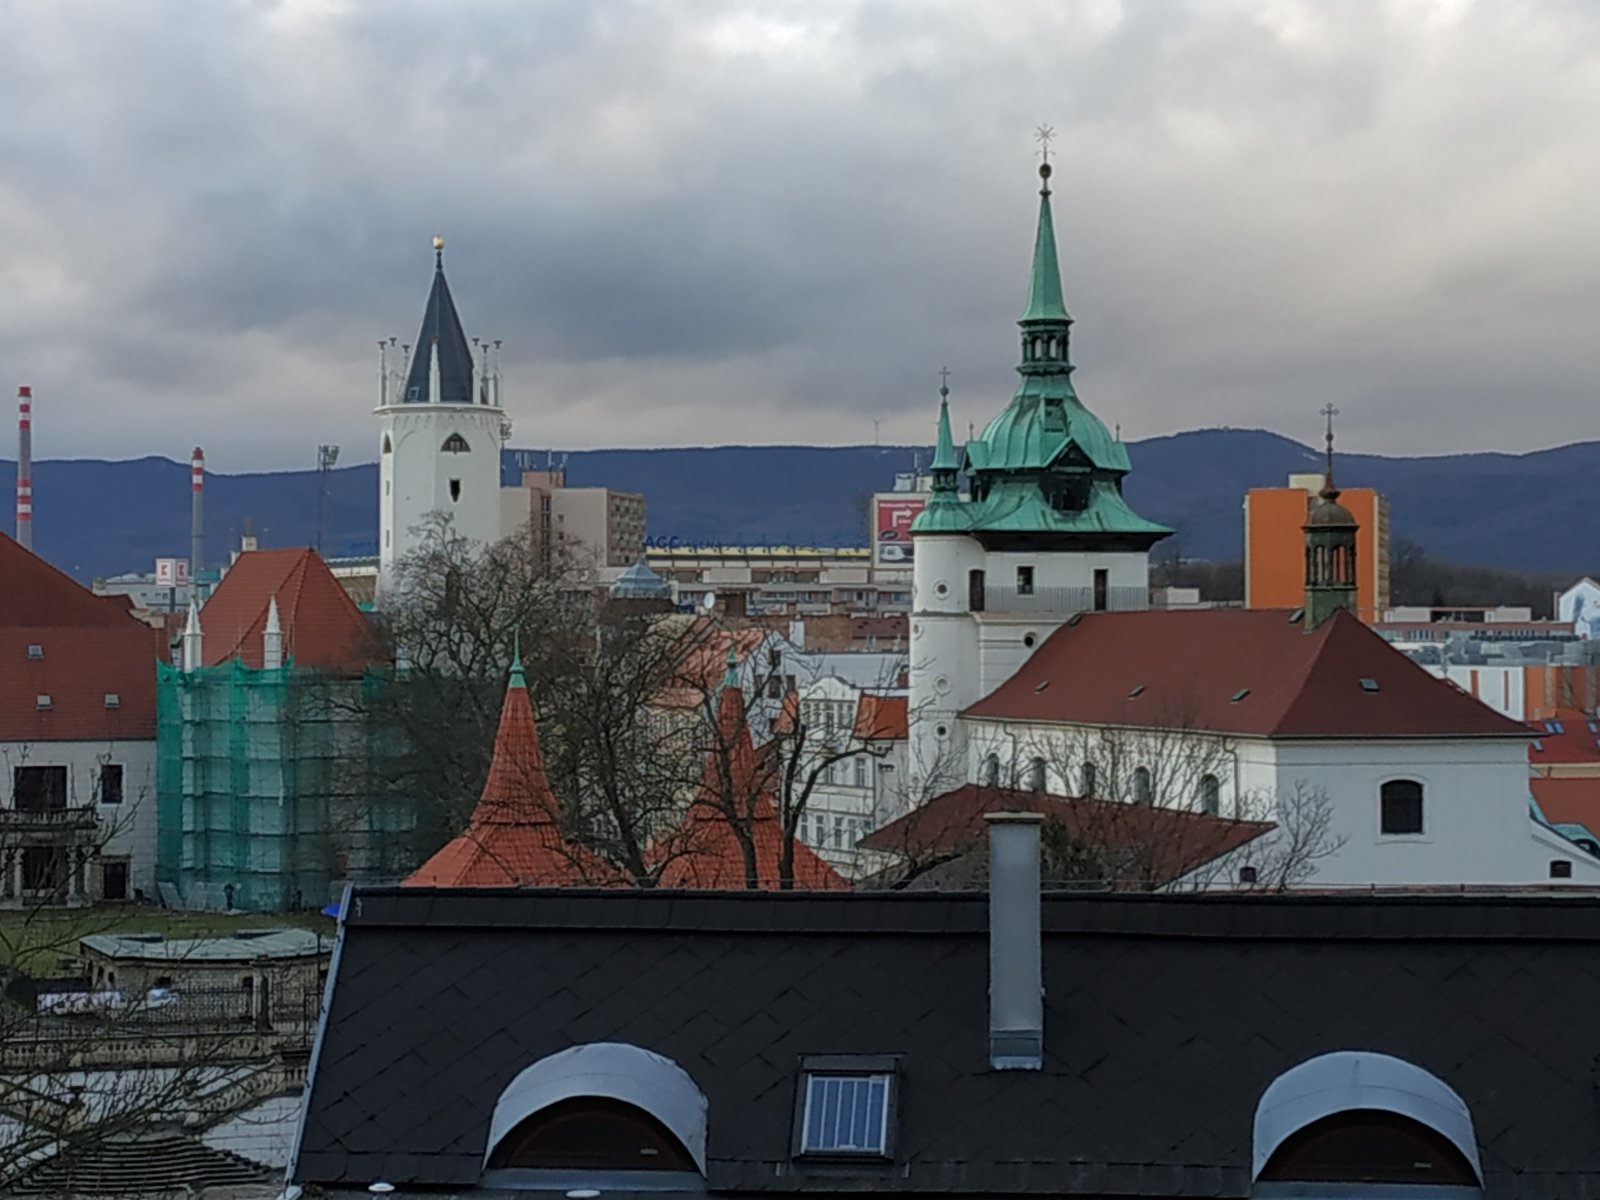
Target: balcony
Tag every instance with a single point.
(49, 822)
(1062, 601)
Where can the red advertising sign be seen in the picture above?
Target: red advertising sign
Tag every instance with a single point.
(891, 528)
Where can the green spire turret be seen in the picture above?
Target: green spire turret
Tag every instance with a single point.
(517, 680)
(945, 463)
(1044, 293)
(730, 677)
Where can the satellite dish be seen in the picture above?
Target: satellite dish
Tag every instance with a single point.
(709, 602)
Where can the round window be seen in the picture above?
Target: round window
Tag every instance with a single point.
(941, 684)
(916, 629)
(941, 730)
(1028, 640)
(941, 589)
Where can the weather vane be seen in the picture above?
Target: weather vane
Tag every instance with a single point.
(1044, 135)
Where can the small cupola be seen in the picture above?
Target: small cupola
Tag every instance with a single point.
(1330, 531)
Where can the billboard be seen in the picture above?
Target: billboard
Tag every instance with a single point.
(891, 527)
(172, 572)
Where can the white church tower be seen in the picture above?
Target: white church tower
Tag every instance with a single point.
(441, 429)
(1043, 533)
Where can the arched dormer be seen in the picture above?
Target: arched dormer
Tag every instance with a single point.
(1357, 1117)
(605, 1106)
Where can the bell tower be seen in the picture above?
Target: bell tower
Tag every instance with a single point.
(1330, 548)
(441, 427)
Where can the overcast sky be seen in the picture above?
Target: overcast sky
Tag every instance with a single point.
(698, 223)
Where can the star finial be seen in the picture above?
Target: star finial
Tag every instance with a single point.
(1044, 135)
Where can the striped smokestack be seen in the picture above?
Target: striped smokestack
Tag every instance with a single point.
(25, 467)
(197, 499)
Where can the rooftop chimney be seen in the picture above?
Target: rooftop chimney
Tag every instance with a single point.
(25, 467)
(197, 492)
(1016, 982)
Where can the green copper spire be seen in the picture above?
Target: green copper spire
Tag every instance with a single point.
(730, 677)
(944, 451)
(1044, 294)
(517, 680)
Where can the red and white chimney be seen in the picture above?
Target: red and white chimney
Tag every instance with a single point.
(25, 467)
(197, 495)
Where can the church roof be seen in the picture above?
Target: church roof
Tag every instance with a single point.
(1244, 671)
(514, 838)
(321, 625)
(441, 329)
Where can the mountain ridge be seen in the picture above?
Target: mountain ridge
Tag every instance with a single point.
(1488, 508)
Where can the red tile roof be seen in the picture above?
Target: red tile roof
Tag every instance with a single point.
(322, 627)
(514, 838)
(704, 662)
(1569, 799)
(1566, 738)
(706, 850)
(1169, 842)
(881, 718)
(1236, 671)
(91, 647)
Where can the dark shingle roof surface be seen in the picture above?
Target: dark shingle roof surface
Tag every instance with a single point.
(1166, 1017)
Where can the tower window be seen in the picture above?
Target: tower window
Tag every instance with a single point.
(388, 446)
(1142, 791)
(456, 444)
(455, 489)
(1036, 775)
(1210, 795)
(1102, 589)
(1024, 581)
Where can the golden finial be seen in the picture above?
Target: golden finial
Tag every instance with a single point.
(438, 242)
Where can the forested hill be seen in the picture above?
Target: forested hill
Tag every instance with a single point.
(100, 518)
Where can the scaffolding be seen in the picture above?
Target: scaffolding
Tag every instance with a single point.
(267, 788)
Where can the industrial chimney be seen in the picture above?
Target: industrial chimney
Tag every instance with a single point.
(25, 467)
(1016, 977)
(197, 499)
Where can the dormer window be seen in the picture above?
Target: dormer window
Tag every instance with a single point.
(846, 1107)
(35, 651)
(456, 444)
(42, 702)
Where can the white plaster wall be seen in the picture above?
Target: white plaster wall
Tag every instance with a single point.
(1502, 688)
(414, 478)
(1073, 569)
(129, 828)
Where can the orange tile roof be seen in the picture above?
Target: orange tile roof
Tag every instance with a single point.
(90, 647)
(704, 662)
(514, 838)
(706, 851)
(1568, 737)
(322, 627)
(1569, 800)
(882, 718)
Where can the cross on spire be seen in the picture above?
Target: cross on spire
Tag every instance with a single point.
(1330, 412)
(944, 381)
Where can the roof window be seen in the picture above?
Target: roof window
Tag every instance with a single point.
(42, 701)
(1137, 688)
(1239, 695)
(113, 700)
(1297, 616)
(35, 651)
(1369, 684)
(1041, 685)
(846, 1107)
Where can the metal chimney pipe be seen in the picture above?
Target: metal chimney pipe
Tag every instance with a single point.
(197, 532)
(25, 467)
(1016, 972)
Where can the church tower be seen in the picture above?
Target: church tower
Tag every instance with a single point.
(1043, 533)
(441, 427)
(1330, 549)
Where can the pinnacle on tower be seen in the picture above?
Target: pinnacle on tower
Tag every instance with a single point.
(945, 462)
(1044, 291)
(442, 342)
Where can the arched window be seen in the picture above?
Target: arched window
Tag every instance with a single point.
(1036, 775)
(456, 444)
(991, 771)
(1210, 795)
(1090, 780)
(1142, 793)
(592, 1133)
(1359, 1117)
(1400, 805)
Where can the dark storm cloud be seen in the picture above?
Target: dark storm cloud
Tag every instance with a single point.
(709, 222)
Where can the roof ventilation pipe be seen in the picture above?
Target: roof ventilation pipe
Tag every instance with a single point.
(1016, 983)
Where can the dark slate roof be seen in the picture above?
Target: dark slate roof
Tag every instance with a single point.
(1165, 1019)
(441, 326)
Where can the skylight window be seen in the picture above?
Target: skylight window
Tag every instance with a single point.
(1137, 688)
(846, 1114)
(1239, 695)
(1369, 684)
(35, 651)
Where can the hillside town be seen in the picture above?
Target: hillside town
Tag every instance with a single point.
(531, 854)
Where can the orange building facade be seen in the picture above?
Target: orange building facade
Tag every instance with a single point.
(1275, 545)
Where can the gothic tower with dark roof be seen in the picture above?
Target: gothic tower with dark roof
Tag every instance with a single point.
(441, 429)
